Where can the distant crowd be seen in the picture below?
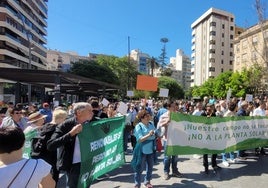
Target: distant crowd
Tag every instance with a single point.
(55, 145)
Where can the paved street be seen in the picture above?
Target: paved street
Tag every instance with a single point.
(250, 173)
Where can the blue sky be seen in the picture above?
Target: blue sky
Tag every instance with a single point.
(103, 26)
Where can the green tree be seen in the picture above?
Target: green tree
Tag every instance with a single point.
(92, 69)
(175, 90)
(166, 72)
(238, 84)
(220, 87)
(126, 71)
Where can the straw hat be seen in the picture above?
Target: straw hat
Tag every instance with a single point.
(35, 117)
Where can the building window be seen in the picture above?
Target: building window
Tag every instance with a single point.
(231, 36)
(231, 54)
(212, 42)
(222, 43)
(254, 55)
(221, 69)
(232, 19)
(231, 45)
(231, 62)
(238, 48)
(212, 33)
(211, 69)
(232, 28)
(222, 61)
(222, 35)
(212, 51)
(212, 24)
(212, 60)
(222, 52)
(223, 26)
(255, 40)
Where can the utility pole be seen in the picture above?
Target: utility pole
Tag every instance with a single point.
(129, 78)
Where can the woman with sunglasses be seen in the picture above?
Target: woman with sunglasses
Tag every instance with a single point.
(15, 118)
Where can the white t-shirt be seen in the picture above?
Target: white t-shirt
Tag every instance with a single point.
(8, 172)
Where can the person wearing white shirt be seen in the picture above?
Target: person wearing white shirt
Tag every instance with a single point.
(260, 111)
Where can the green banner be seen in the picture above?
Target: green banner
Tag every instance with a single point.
(101, 145)
(189, 134)
(27, 145)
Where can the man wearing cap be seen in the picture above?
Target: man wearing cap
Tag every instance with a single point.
(65, 138)
(46, 111)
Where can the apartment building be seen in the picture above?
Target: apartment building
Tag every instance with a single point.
(23, 33)
(62, 61)
(141, 60)
(251, 47)
(212, 45)
(181, 66)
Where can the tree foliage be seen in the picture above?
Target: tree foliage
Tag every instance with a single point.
(175, 90)
(241, 83)
(166, 72)
(122, 68)
(91, 69)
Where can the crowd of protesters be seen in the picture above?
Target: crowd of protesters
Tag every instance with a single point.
(60, 126)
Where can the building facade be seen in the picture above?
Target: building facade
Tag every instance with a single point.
(23, 33)
(212, 45)
(181, 66)
(251, 47)
(63, 61)
(141, 60)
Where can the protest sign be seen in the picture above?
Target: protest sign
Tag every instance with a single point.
(101, 146)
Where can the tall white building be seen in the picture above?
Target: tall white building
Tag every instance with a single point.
(212, 45)
(181, 66)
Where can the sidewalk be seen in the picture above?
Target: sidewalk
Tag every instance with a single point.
(250, 173)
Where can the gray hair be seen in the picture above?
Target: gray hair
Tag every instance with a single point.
(80, 106)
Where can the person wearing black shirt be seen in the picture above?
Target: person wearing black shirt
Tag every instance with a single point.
(209, 112)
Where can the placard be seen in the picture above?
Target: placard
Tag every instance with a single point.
(163, 92)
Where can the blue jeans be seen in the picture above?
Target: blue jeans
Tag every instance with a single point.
(173, 160)
(224, 158)
(147, 161)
